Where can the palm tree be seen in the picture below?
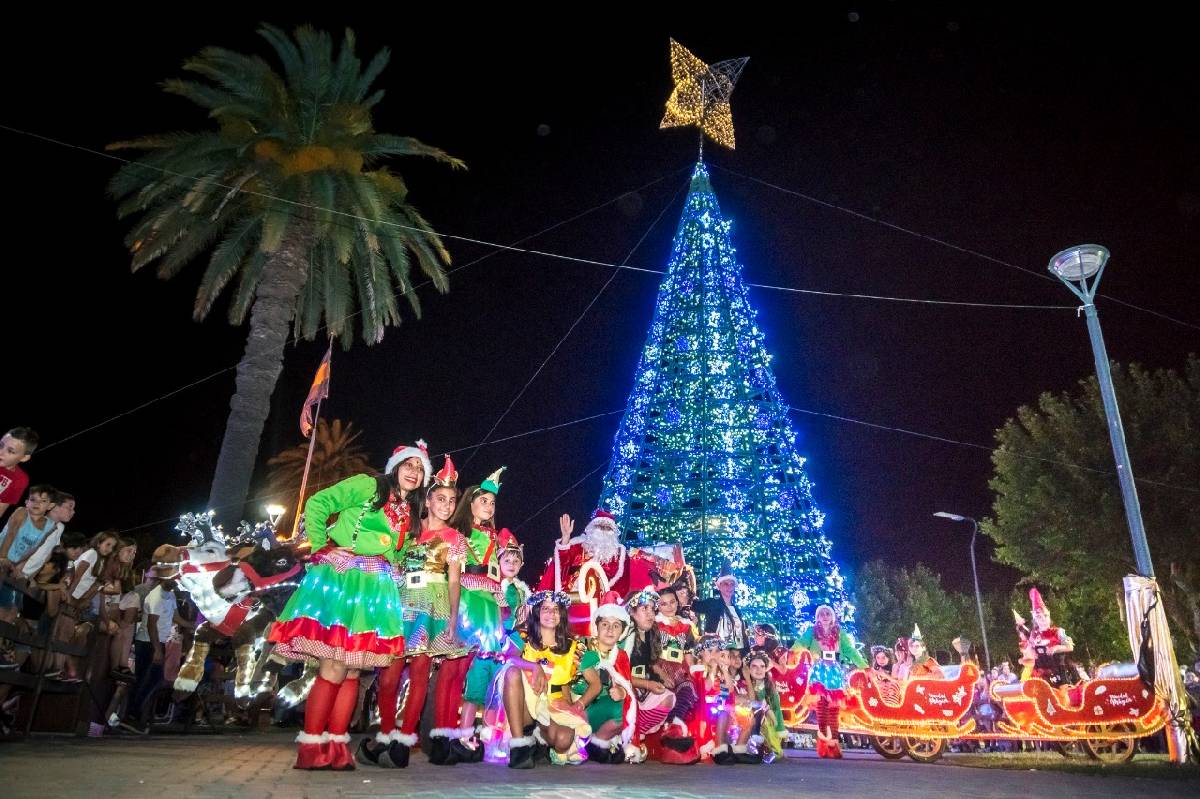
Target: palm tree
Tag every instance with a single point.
(335, 457)
(289, 196)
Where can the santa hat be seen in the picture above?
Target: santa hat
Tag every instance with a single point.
(611, 608)
(601, 518)
(447, 477)
(405, 451)
(916, 635)
(1035, 601)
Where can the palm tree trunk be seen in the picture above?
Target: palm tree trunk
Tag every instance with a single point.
(270, 320)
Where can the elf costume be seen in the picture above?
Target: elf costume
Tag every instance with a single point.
(347, 608)
(833, 654)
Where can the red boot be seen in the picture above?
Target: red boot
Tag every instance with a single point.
(340, 756)
(822, 749)
(835, 749)
(314, 752)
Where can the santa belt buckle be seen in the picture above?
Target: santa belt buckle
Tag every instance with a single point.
(673, 654)
(639, 672)
(494, 572)
(416, 579)
(829, 656)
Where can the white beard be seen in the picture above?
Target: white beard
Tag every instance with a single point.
(601, 544)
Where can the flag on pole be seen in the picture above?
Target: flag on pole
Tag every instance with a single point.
(318, 392)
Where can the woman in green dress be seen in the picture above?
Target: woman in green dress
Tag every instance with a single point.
(346, 614)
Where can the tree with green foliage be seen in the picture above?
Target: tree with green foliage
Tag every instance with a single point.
(336, 455)
(1058, 516)
(289, 193)
(889, 600)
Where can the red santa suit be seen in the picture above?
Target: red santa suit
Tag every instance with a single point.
(626, 570)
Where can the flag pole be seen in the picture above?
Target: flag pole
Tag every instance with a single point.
(307, 464)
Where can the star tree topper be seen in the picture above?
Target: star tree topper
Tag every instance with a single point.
(701, 94)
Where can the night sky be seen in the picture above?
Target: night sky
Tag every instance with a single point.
(1013, 135)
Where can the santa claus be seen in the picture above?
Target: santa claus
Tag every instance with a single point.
(598, 550)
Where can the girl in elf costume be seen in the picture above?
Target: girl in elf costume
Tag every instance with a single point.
(604, 687)
(706, 678)
(481, 624)
(644, 648)
(347, 612)
(833, 654)
(677, 637)
(763, 705)
(734, 693)
(428, 581)
(541, 665)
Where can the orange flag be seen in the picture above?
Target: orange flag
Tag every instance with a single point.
(318, 392)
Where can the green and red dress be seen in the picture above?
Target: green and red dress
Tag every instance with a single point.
(348, 607)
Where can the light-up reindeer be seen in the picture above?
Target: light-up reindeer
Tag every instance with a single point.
(239, 585)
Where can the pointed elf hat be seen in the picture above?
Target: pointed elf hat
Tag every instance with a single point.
(447, 477)
(492, 483)
(916, 635)
(1035, 601)
(509, 543)
(726, 574)
(405, 451)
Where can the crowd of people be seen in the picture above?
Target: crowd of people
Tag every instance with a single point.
(409, 581)
(63, 586)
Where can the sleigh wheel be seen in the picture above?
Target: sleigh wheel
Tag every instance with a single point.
(1070, 749)
(924, 750)
(890, 747)
(1112, 750)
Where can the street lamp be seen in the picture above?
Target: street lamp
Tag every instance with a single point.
(274, 512)
(1080, 269)
(987, 654)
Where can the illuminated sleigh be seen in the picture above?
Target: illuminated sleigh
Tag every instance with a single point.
(1106, 713)
(922, 707)
(792, 686)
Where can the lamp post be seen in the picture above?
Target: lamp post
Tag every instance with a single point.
(987, 654)
(274, 512)
(1080, 269)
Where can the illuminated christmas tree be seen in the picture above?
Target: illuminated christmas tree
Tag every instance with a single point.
(705, 455)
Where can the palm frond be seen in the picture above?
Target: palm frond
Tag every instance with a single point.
(227, 258)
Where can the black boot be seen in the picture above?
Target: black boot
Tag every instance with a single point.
(368, 756)
(747, 757)
(722, 756)
(461, 753)
(397, 753)
(601, 751)
(439, 748)
(520, 752)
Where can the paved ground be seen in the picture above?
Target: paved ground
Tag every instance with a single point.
(252, 766)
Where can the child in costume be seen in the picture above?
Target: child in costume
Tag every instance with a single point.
(833, 654)
(673, 668)
(706, 677)
(922, 665)
(604, 687)
(428, 581)
(1044, 648)
(347, 611)
(734, 694)
(536, 680)
(762, 704)
(481, 623)
(644, 648)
